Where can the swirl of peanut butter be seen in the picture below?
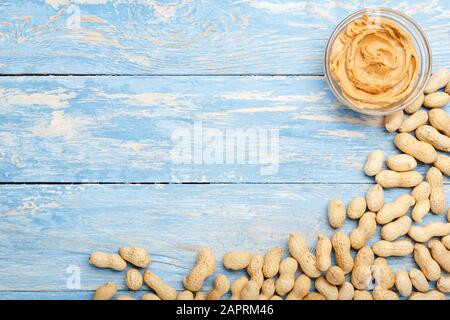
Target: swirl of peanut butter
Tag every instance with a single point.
(374, 62)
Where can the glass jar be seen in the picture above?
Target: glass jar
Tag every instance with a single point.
(420, 42)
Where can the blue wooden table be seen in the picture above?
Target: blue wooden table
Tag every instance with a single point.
(95, 94)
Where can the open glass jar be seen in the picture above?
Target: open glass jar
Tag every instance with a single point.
(423, 63)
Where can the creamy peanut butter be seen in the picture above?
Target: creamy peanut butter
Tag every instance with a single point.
(374, 62)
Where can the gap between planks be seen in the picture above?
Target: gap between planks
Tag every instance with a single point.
(187, 183)
(161, 75)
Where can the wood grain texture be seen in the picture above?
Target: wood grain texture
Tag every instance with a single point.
(46, 229)
(120, 129)
(60, 295)
(187, 36)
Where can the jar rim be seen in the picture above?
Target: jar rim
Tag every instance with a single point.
(426, 59)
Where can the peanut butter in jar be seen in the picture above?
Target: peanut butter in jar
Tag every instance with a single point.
(374, 64)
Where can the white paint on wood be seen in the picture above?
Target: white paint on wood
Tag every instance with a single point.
(61, 125)
(57, 99)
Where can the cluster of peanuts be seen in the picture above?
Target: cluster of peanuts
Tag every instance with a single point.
(368, 276)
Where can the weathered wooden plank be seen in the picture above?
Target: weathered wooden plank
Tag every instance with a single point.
(126, 128)
(46, 231)
(187, 36)
(59, 295)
